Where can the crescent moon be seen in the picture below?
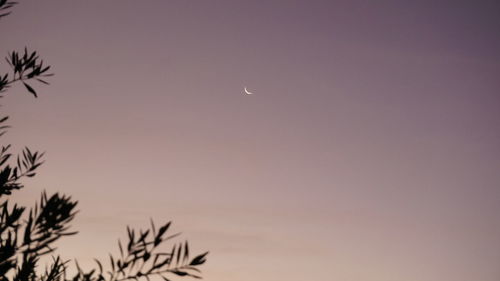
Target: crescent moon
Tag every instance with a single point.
(247, 92)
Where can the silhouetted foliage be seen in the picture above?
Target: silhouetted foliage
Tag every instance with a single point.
(5, 6)
(140, 257)
(28, 234)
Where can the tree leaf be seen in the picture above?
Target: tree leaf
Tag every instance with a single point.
(30, 89)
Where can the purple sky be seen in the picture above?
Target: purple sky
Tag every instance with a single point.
(369, 151)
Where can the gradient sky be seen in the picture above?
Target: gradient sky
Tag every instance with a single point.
(369, 151)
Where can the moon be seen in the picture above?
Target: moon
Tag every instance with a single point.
(247, 92)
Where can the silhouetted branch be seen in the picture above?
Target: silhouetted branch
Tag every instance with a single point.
(25, 67)
(141, 258)
(5, 6)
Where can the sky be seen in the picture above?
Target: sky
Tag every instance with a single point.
(368, 151)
